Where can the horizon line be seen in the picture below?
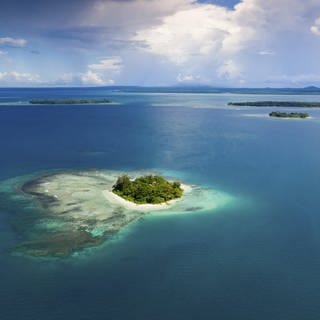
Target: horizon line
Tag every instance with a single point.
(311, 87)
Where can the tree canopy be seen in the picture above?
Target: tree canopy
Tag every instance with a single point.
(152, 189)
(289, 115)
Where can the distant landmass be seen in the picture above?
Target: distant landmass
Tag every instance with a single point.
(278, 114)
(291, 104)
(310, 90)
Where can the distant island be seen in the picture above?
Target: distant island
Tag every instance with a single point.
(292, 104)
(149, 189)
(82, 101)
(278, 114)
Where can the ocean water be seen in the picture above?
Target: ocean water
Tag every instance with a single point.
(256, 258)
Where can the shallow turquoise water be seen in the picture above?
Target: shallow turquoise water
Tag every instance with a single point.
(257, 258)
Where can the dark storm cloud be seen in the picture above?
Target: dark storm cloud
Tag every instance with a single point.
(21, 7)
(24, 15)
(89, 37)
(35, 13)
(64, 22)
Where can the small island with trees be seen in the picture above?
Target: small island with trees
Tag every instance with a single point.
(70, 101)
(298, 115)
(149, 189)
(64, 212)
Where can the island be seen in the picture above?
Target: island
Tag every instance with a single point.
(70, 101)
(297, 115)
(150, 189)
(289, 104)
(59, 214)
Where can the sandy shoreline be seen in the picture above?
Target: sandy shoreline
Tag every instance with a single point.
(115, 199)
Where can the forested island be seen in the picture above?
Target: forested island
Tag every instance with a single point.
(149, 189)
(292, 104)
(59, 213)
(278, 114)
(71, 101)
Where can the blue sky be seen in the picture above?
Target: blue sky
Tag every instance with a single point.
(248, 43)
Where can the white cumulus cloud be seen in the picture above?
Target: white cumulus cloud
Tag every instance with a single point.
(97, 74)
(92, 78)
(229, 70)
(266, 53)
(13, 42)
(88, 78)
(15, 78)
(316, 27)
(219, 42)
(198, 31)
(169, 41)
(111, 64)
(188, 78)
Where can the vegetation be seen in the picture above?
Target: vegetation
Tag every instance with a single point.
(293, 104)
(82, 101)
(151, 189)
(289, 115)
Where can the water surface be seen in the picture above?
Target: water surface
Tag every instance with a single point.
(256, 259)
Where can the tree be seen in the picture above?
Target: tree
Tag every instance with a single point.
(122, 183)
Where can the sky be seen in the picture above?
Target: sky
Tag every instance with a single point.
(229, 43)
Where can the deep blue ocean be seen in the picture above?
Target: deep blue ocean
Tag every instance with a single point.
(257, 258)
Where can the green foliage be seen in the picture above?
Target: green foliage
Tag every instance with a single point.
(278, 114)
(151, 189)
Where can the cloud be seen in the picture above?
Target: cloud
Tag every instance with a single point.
(87, 78)
(185, 78)
(3, 53)
(131, 15)
(5, 57)
(15, 78)
(198, 31)
(199, 41)
(13, 42)
(111, 64)
(202, 30)
(266, 53)
(296, 79)
(97, 74)
(220, 42)
(189, 78)
(229, 70)
(86, 24)
(91, 78)
(315, 29)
